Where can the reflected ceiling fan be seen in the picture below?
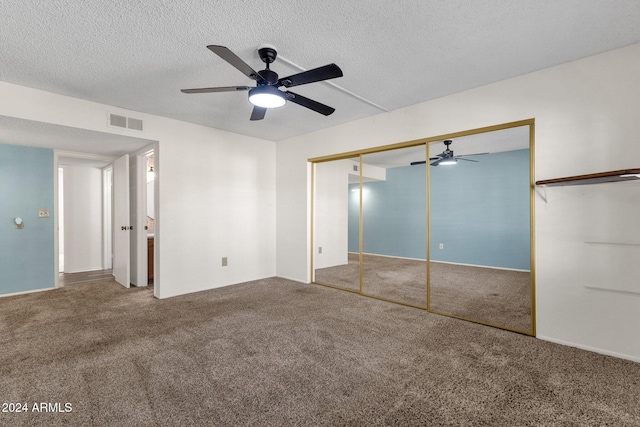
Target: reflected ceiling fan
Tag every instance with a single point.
(267, 93)
(447, 157)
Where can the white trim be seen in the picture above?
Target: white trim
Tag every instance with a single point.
(142, 276)
(445, 262)
(589, 348)
(107, 217)
(156, 220)
(140, 207)
(483, 266)
(389, 256)
(56, 243)
(26, 292)
(87, 156)
(292, 279)
(146, 150)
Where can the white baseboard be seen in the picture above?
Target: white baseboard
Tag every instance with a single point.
(589, 348)
(25, 292)
(292, 279)
(445, 262)
(482, 266)
(389, 256)
(81, 270)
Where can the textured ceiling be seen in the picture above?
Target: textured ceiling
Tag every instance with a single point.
(139, 54)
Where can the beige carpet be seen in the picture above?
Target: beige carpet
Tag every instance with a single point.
(279, 353)
(498, 297)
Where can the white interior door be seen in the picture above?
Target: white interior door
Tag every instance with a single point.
(121, 222)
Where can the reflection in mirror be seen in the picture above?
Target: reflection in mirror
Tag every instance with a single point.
(480, 229)
(335, 262)
(394, 225)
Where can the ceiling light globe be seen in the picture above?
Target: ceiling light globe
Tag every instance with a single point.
(267, 97)
(448, 161)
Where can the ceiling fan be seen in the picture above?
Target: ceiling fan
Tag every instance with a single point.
(267, 94)
(447, 157)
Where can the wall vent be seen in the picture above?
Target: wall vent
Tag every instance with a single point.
(355, 168)
(125, 122)
(118, 121)
(134, 124)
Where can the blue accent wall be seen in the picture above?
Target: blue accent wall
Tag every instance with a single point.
(26, 184)
(478, 211)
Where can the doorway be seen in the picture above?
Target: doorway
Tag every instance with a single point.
(149, 216)
(94, 175)
(80, 209)
(144, 218)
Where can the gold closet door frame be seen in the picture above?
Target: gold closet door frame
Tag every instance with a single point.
(426, 142)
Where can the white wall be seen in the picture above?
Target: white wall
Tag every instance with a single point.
(216, 191)
(331, 214)
(331, 218)
(82, 218)
(586, 111)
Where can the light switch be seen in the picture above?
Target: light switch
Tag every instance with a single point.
(43, 213)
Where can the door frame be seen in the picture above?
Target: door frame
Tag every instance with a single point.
(107, 217)
(155, 147)
(57, 154)
(140, 159)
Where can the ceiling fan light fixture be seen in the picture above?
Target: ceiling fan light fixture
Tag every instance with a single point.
(267, 97)
(448, 161)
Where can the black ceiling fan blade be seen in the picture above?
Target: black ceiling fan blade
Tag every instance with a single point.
(326, 72)
(258, 113)
(234, 60)
(436, 158)
(467, 160)
(419, 162)
(309, 103)
(216, 89)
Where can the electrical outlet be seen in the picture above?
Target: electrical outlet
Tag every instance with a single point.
(224, 261)
(319, 249)
(441, 245)
(43, 213)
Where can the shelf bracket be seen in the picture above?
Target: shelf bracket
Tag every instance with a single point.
(543, 193)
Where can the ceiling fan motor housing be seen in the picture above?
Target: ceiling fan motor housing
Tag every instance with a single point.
(267, 54)
(268, 77)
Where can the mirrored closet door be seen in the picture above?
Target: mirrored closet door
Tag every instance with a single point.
(443, 224)
(336, 230)
(480, 228)
(394, 236)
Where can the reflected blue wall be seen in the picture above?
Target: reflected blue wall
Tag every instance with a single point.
(393, 214)
(479, 212)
